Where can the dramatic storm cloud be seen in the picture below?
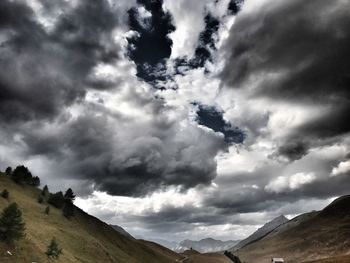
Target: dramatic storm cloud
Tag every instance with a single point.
(45, 69)
(69, 96)
(179, 119)
(295, 51)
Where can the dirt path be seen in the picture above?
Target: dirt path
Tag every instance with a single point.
(183, 259)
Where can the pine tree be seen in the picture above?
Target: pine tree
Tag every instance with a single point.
(45, 191)
(68, 210)
(34, 181)
(53, 250)
(8, 171)
(57, 200)
(69, 195)
(47, 210)
(11, 225)
(22, 175)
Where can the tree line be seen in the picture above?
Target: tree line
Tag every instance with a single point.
(22, 175)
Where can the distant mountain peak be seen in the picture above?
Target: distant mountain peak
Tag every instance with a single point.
(281, 217)
(205, 245)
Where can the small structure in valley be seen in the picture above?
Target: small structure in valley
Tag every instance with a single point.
(277, 260)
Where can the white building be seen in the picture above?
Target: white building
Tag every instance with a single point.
(277, 260)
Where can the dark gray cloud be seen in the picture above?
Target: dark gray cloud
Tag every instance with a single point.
(45, 70)
(234, 6)
(247, 192)
(294, 150)
(295, 51)
(132, 162)
(182, 218)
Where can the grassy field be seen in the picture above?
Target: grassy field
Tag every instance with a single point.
(83, 238)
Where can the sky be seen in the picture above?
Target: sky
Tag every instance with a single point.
(179, 119)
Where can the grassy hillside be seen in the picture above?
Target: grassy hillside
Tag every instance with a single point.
(163, 250)
(340, 259)
(192, 256)
(314, 236)
(84, 238)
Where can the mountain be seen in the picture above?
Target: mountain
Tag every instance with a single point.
(263, 231)
(83, 238)
(165, 243)
(122, 231)
(318, 236)
(205, 245)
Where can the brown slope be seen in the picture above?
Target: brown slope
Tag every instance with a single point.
(84, 238)
(162, 250)
(206, 258)
(316, 236)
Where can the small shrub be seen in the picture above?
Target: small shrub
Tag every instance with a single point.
(47, 210)
(53, 250)
(40, 199)
(5, 194)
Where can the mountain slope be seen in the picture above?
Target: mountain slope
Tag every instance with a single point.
(314, 236)
(205, 245)
(165, 243)
(161, 249)
(263, 231)
(122, 231)
(84, 238)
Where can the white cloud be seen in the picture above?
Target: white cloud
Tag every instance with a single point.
(342, 168)
(144, 17)
(287, 183)
(238, 160)
(188, 16)
(189, 22)
(101, 202)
